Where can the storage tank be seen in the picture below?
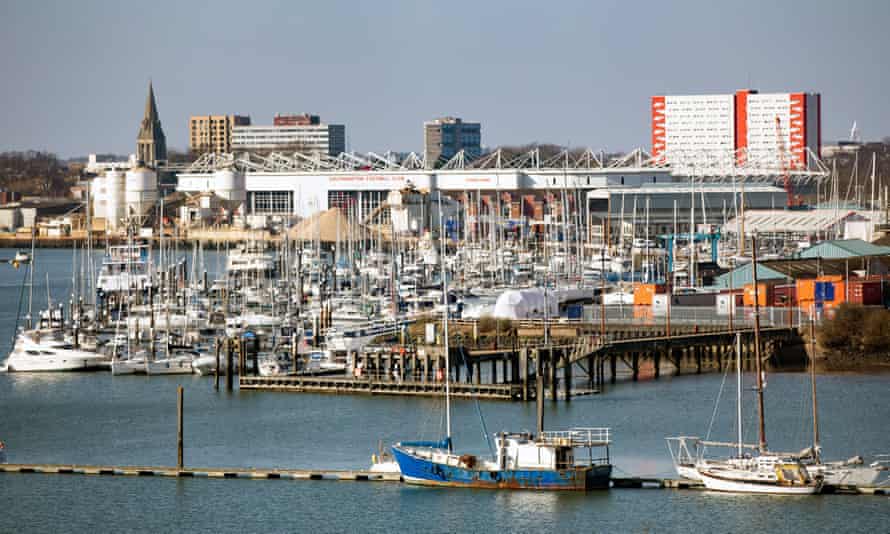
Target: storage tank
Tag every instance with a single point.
(141, 191)
(114, 198)
(229, 184)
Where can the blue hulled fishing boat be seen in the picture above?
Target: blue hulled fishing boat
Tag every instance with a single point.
(548, 461)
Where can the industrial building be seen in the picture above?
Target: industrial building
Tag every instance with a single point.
(447, 136)
(806, 225)
(783, 127)
(213, 133)
(664, 206)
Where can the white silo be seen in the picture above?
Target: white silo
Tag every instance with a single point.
(229, 184)
(141, 192)
(114, 199)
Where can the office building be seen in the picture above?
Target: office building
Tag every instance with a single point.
(445, 137)
(213, 133)
(292, 133)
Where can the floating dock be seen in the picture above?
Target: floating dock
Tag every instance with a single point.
(344, 475)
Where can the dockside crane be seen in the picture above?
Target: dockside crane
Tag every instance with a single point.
(783, 163)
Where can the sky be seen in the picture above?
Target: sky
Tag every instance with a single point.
(579, 73)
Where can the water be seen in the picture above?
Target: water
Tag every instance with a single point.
(131, 420)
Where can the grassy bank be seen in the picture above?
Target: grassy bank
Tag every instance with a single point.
(855, 338)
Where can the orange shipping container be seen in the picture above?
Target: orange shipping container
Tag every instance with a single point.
(806, 290)
(643, 293)
(764, 295)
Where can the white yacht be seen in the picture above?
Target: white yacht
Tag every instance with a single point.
(47, 350)
(125, 267)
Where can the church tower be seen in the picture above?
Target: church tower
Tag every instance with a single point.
(151, 145)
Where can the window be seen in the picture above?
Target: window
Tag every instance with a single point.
(271, 201)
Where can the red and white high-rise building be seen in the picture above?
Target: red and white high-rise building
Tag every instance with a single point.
(684, 126)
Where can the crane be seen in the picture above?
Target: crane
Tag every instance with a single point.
(783, 163)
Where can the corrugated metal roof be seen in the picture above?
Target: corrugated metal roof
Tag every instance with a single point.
(844, 248)
(743, 275)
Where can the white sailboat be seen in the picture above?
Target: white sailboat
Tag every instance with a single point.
(762, 472)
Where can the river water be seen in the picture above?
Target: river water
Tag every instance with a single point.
(95, 418)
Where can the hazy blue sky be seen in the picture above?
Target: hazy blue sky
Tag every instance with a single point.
(75, 72)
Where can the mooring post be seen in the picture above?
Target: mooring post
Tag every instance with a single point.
(567, 374)
(613, 367)
(698, 350)
(230, 365)
(656, 356)
(539, 390)
(554, 381)
(523, 372)
(179, 462)
(635, 365)
(216, 382)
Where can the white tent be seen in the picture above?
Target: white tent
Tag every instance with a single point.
(526, 304)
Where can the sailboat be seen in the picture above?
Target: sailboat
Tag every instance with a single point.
(544, 461)
(763, 471)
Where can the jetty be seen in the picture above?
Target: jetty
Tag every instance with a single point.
(599, 357)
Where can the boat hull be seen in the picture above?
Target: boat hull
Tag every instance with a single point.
(416, 470)
(57, 363)
(725, 484)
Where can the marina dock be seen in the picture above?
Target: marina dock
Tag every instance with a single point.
(334, 475)
(510, 372)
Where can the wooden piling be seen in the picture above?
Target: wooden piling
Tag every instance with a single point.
(523, 372)
(230, 365)
(216, 372)
(567, 375)
(179, 425)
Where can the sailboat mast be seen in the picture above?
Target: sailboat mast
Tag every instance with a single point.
(813, 385)
(757, 360)
(445, 327)
(738, 374)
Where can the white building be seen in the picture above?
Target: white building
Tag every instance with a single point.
(777, 127)
(327, 139)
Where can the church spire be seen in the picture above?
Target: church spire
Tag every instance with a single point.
(151, 144)
(151, 109)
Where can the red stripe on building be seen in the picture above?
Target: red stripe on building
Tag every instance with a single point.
(741, 124)
(797, 130)
(658, 132)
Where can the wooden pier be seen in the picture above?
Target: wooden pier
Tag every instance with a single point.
(376, 386)
(582, 363)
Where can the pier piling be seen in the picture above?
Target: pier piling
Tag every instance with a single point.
(179, 425)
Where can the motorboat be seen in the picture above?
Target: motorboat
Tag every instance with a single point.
(47, 350)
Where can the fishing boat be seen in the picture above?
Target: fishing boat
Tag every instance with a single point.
(545, 461)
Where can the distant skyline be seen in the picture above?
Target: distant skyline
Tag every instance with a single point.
(575, 72)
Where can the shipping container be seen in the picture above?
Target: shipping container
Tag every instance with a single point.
(643, 293)
(866, 292)
(765, 294)
(784, 296)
